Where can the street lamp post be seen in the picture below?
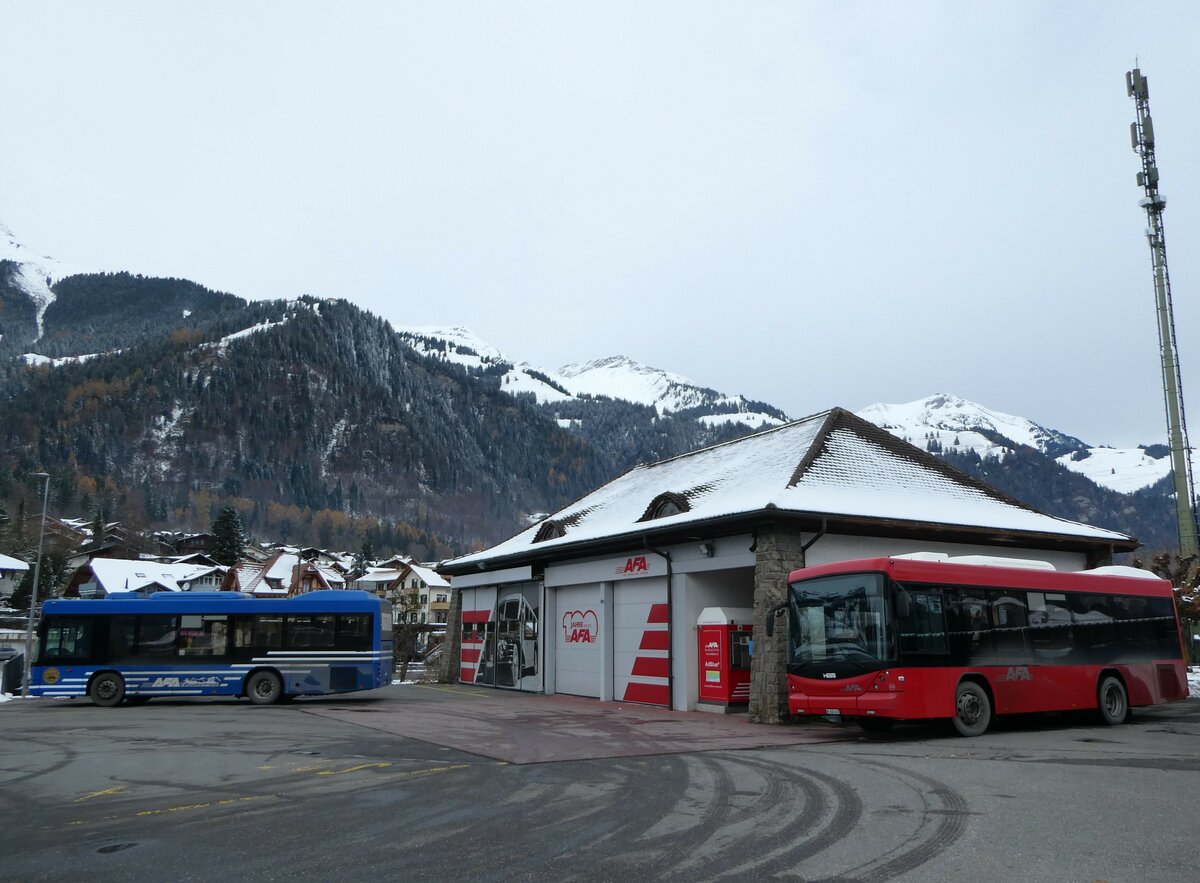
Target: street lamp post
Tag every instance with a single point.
(33, 594)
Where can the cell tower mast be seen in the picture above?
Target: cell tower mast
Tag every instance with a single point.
(1142, 136)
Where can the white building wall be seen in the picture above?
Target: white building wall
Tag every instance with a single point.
(836, 547)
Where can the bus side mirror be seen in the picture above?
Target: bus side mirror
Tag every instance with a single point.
(771, 614)
(903, 607)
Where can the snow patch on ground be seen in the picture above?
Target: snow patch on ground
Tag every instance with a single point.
(223, 344)
(334, 436)
(1122, 469)
(38, 359)
(750, 418)
(35, 273)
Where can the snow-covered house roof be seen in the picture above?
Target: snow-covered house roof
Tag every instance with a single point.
(130, 575)
(430, 577)
(7, 562)
(378, 577)
(832, 466)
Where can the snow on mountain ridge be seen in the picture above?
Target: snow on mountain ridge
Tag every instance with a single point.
(620, 377)
(35, 273)
(459, 345)
(614, 377)
(949, 422)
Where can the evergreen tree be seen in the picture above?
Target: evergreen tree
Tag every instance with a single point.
(229, 537)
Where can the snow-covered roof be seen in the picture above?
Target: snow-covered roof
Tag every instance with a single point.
(431, 578)
(830, 464)
(7, 562)
(126, 575)
(281, 568)
(380, 575)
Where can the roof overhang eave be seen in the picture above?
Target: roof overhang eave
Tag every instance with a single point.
(748, 521)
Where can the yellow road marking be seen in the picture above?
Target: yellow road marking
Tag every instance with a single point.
(190, 807)
(116, 789)
(228, 802)
(353, 769)
(450, 690)
(437, 769)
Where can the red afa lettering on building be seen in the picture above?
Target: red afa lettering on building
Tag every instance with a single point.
(636, 564)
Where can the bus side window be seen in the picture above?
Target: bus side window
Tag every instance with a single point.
(1049, 625)
(968, 615)
(156, 635)
(310, 632)
(1010, 624)
(69, 640)
(1131, 626)
(1092, 624)
(268, 631)
(122, 632)
(1165, 636)
(353, 631)
(923, 631)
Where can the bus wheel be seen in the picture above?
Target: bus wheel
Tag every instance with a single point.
(264, 688)
(1114, 701)
(876, 724)
(973, 709)
(107, 689)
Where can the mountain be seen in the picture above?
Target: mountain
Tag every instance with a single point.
(944, 422)
(613, 377)
(160, 401)
(1124, 489)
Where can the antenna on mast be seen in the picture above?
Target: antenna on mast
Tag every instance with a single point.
(1141, 134)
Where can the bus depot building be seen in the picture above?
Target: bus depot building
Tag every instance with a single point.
(604, 599)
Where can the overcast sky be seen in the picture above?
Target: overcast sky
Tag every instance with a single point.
(813, 204)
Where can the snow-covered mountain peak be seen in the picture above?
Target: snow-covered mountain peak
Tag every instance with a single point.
(951, 413)
(34, 274)
(620, 377)
(946, 422)
(455, 339)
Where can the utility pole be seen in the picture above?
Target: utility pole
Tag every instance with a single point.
(1142, 136)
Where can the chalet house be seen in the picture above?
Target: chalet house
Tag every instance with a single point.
(282, 575)
(12, 571)
(102, 577)
(416, 591)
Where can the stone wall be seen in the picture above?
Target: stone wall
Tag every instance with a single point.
(450, 664)
(779, 551)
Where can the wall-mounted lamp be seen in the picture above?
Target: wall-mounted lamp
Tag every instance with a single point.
(706, 549)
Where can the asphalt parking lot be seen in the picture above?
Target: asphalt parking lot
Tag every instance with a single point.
(383, 785)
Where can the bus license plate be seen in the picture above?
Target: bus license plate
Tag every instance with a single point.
(833, 711)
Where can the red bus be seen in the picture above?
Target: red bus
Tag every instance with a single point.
(930, 636)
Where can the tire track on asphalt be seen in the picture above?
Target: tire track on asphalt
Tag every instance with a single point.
(952, 814)
(847, 811)
(803, 836)
(69, 756)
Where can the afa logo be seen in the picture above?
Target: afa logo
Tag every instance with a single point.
(580, 627)
(636, 564)
(161, 683)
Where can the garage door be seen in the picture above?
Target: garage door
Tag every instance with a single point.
(578, 659)
(641, 655)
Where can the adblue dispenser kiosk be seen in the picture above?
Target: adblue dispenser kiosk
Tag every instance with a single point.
(725, 645)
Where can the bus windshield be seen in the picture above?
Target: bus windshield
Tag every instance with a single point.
(839, 619)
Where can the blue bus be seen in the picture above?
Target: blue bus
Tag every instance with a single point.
(213, 644)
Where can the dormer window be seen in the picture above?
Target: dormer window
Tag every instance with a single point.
(549, 530)
(665, 505)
